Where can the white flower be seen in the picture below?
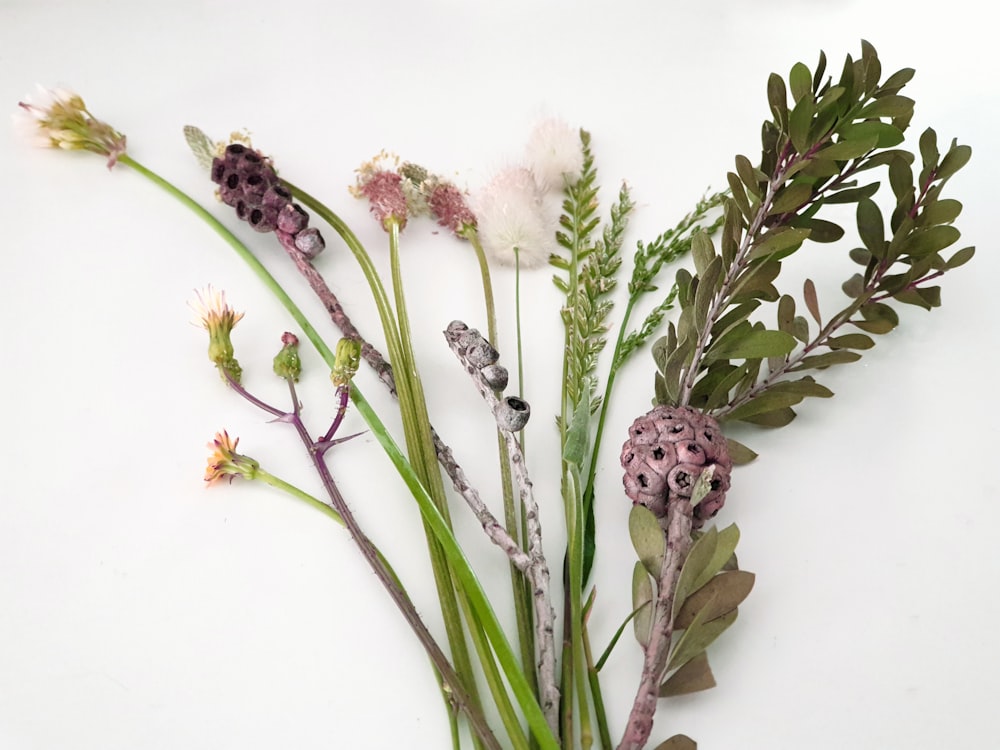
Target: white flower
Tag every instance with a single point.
(554, 154)
(58, 118)
(513, 222)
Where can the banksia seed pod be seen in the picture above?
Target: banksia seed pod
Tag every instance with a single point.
(667, 450)
(248, 183)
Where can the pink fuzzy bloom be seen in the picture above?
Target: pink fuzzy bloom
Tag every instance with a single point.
(450, 208)
(385, 195)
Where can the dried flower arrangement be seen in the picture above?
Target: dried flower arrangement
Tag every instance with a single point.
(719, 361)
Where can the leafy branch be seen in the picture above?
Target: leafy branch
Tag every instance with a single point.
(813, 153)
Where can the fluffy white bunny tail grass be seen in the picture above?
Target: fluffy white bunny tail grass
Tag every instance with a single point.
(513, 221)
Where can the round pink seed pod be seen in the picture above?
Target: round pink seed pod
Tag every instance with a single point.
(668, 449)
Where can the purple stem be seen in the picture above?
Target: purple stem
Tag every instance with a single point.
(458, 697)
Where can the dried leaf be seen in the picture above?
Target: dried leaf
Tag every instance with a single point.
(693, 677)
(768, 401)
(757, 344)
(697, 638)
(739, 453)
(812, 302)
(642, 597)
(822, 361)
(678, 742)
(784, 241)
(647, 538)
(721, 595)
(850, 341)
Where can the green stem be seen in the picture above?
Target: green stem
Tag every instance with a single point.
(406, 471)
(520, 589)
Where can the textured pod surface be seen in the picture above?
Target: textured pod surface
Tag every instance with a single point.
(666, 451)
(248, 183)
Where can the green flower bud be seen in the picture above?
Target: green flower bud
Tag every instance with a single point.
(347, 361)
(287, 364)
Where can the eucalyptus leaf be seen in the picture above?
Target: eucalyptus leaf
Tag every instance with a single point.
(721, 595)
(779, 240)
(678, 742)
(820, 230)
(852, 195)
(961, 257)
(954, 160)
(877, 327)
(702, 251)
(930, 240)
(739, 453)
(854, 287)
(811, 300)
(765, 402)
(845, 149)
(803, 386)
(790, 198)
(822, 361)
(800, 81)
(886, 135)
(941, 212)
(648, 539)
(894, 105)
(705, 294)
(698, 637)
(777, 418)
(693, 677)
(756, 344)
(798, 124)
(777, 98)
(642, 598)
(871, 227)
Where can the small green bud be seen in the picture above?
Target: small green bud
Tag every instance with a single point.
(287, 364)
(347, 361)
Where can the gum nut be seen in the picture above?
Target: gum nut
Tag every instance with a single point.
(675, 430)
(468, 338)
(481, 354)
(456, 327)
(310, 242)
(263, 219)
(230, 197)
(708, 508)
(254, 186)
(660, 457)
(681, 479)
(642, 432)
(512, 414)
(292, 218)
(689, 452)
(276, 196)
(218, 170)
(251, 160)
(495, 376)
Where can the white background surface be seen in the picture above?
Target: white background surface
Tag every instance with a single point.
(140, 610)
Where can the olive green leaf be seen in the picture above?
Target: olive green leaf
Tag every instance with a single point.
(755, 344)
(678, 742)
(642, 598)
(721, 595)
(778, 241)
(811, 300)
(698, 637)
(694, 676)
(739, 453)
(647, 538)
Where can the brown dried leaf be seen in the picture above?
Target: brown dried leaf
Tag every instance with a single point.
(721, 595)
(694, 676)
